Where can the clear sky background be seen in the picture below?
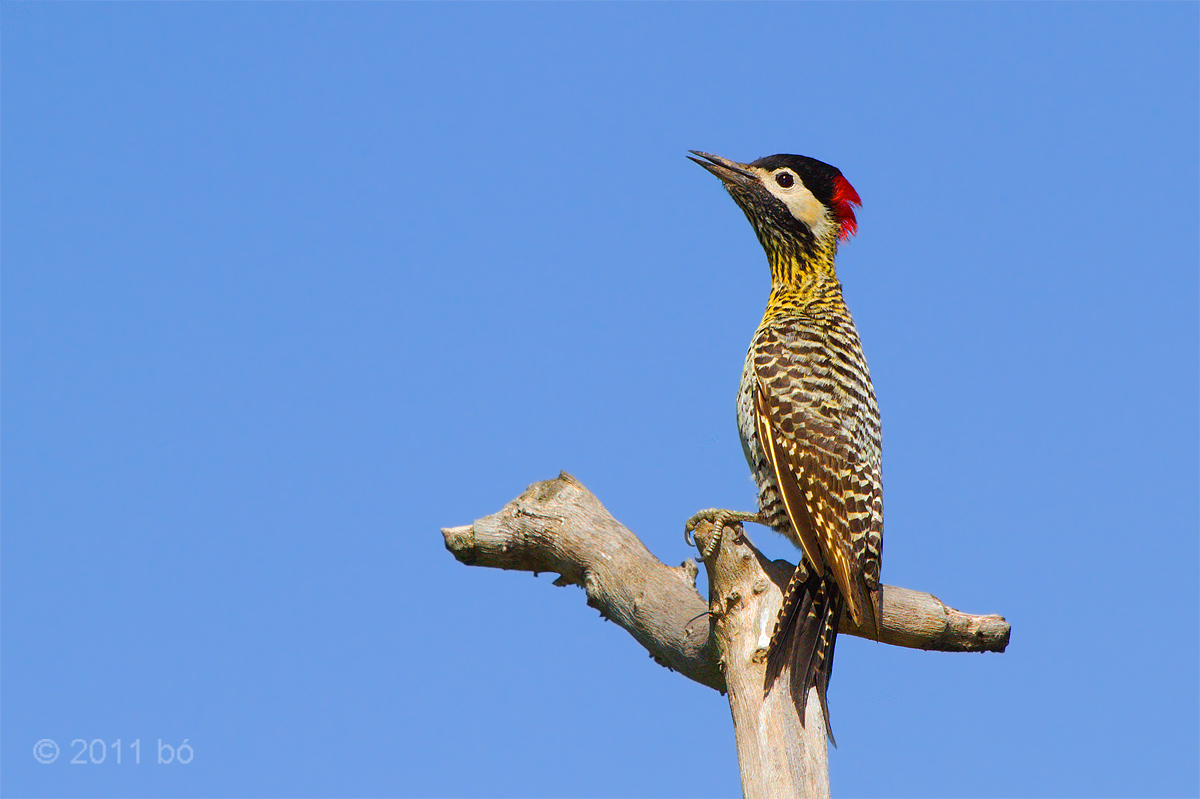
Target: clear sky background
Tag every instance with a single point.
(289, 287)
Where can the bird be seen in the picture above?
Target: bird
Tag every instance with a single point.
(807, 416)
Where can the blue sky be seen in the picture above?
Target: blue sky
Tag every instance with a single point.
(289, 287)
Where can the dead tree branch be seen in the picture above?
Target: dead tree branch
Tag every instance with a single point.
(559, 526)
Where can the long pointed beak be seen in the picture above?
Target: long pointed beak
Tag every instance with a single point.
(730, 172)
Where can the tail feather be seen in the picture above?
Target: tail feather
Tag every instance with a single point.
(804, 637)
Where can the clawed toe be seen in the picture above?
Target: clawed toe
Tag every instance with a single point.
(720, 519)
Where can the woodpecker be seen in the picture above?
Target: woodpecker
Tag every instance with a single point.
(807, 415)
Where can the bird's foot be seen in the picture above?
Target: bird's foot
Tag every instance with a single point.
(719, 519)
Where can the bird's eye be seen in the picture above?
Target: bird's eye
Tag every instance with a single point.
(785, 179)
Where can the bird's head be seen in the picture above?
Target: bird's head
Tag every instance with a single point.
(800, 207)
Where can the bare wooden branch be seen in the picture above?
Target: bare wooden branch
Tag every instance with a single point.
(559, 526)
(780, 755)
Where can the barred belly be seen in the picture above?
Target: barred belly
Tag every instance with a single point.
(770, 505)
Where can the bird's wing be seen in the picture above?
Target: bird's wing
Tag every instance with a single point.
(808, 426)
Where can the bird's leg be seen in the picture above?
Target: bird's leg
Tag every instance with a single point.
(719, 519)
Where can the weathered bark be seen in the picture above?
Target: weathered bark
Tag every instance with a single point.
(559, 526)
(779, 754)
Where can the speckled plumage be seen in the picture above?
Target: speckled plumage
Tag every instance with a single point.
(808, 418)
(805, 364)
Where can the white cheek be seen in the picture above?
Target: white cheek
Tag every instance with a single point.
(802, 205)
(808, 210)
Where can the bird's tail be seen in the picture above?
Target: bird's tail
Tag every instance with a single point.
(804, 636)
